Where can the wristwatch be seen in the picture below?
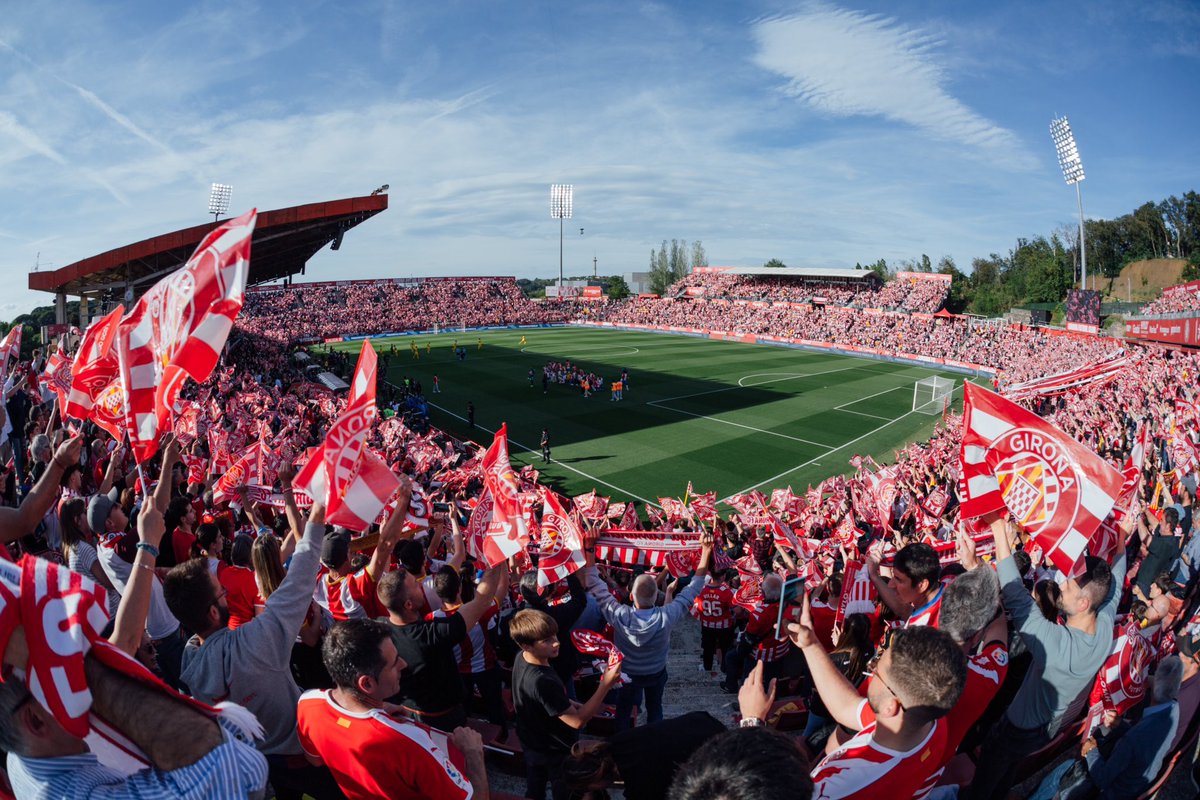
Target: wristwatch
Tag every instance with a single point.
(750, 722)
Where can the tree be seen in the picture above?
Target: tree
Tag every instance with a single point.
(880, 268)
(926, 264)
(960, 286)
(618, 289)
(660, 274)
(775, 263)
(699, 257)
(678, 260)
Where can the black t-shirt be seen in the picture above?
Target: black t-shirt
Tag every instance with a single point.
(647, 757)
(430, 680)
(540, 698)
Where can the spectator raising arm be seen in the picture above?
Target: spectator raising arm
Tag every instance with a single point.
(837, 693)
(20, 521)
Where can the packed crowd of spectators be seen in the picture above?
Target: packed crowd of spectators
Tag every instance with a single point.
(303, 311)
(376, 666)
(1179, 301)
(906, 294)
(1020, 353)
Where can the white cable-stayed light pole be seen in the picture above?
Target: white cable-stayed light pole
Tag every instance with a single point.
(1072, 170)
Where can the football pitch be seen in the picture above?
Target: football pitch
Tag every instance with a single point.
(726, 415)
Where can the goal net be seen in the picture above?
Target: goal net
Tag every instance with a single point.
(931, 395)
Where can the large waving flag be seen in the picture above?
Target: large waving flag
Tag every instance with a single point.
(1056, 488)
(561, 542)
(178, 329)
(354, 483)
(57, 375)
(498, 530)
(95, 365)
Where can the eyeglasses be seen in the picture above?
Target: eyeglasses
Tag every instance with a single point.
(879, 677)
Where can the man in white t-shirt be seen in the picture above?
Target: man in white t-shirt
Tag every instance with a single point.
(901, 727)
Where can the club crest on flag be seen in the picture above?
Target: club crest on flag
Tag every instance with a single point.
(1030, 489)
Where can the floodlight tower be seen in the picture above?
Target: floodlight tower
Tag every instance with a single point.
(562, 196)
(1072, 170)
(218, 200)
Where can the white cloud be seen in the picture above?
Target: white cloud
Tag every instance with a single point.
(845, 63)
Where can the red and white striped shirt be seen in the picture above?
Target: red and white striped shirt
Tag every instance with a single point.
(352, 597)
(862, 769)
(929, 613)
(474, 653)
(762, 624)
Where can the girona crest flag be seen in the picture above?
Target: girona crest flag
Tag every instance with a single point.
(95, 366)
(1056, 488)
(561, 542)
(353, 482)
(498, 529)
(10, 349)
(178, 329)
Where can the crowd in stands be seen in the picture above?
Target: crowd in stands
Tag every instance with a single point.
(381, 666)
(1180, 301)
(369, 307)
(1021, 354)
(904, 294)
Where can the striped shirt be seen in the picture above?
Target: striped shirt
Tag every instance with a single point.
(232, 769)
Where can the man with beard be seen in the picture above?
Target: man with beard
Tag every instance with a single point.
(250, 665)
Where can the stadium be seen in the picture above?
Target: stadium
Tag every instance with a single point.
(279, 519)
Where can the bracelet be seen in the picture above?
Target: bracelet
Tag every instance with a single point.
(149, 548)
(144, 566)
(750, 722)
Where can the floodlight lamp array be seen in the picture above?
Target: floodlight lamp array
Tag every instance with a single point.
(1068, 152)
(218, 198)
(561, 199)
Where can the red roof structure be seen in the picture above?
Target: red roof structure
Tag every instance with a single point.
(284, 240)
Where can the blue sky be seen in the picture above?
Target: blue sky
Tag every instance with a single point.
(818, 133)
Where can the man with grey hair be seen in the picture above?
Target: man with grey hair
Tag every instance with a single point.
(643, 633)
(1136, 757)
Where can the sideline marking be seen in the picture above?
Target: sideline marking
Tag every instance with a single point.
(834, 450)
(747, 427)
(539, 452)
(585, 350)
(791, 376)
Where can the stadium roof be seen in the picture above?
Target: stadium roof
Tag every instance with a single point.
(284, 240)
(805, 272)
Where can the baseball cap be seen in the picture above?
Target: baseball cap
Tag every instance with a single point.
(335, 548)
(99, 507)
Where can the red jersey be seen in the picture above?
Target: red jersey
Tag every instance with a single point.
(928, 614)
(373, 755)
(241, 593)
(474, 653)
(985, 673)
(352, 597)
(714, 606)
(181, 545)
(762, 625)
(861, 769)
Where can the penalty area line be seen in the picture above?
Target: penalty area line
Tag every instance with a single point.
(559, 463)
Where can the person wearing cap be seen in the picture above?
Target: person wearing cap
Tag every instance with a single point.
(1188, 643)
(349, 594)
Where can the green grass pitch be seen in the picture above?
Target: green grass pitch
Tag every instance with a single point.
(726, 415)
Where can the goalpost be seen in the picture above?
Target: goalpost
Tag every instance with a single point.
(931, 395)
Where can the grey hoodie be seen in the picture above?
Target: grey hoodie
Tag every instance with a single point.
(643, 635)
(250, 664)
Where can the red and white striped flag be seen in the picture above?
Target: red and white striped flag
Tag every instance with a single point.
(57, 375)
(560, 543)
(354, 483)
(10, 349)
(630, 520)
(1121, 682)
(197, 468)
(704, 506)
(674, 509)
(1056, 488)
(498, 529)
(95, 365)
(858, 593)
(591, 505)
(178, 329)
